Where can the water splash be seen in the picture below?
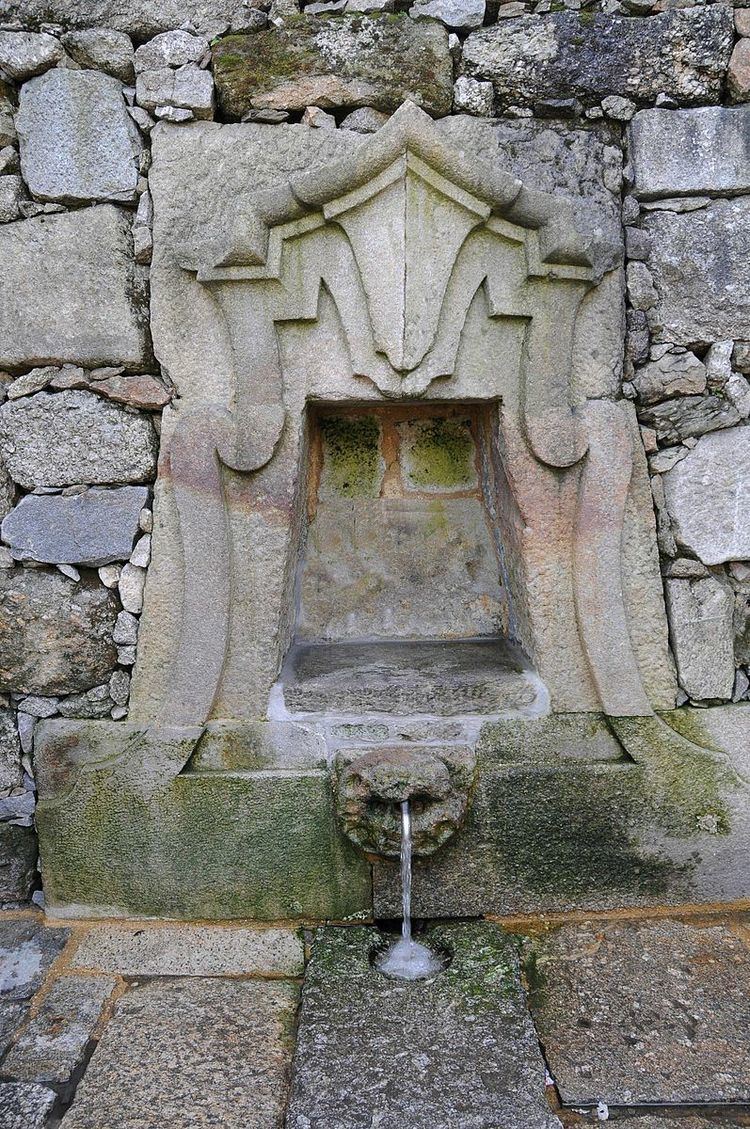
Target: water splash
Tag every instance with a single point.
(408, 959)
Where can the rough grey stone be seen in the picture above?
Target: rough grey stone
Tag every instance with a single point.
(18, 855)
(70, 291)
(170, 49)
(700, 616)
(708, 497)
(223, 1045)
(27, 950)
(408, 678)
(188, 88)
(738, 72)
(646, 1013)
(104, 49)
(341, 62)
(52, 1045)
(78, 142)
(24, 53)
(677, 372)
(690, 151)
(688, 416)
(681, 52)
(473, 97)
(55, 635)
(461, 14)
(458, 1049)
(365, 120)
(91, 528)
(67, 438)
(193, 950)
(12, 194)
(10, 752)
(11, 1016)
(139, 18)
(699, 262)
(25, 1106)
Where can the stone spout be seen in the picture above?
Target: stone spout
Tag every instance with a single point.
(371, 785)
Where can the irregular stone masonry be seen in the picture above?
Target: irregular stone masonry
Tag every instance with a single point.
(658, 91)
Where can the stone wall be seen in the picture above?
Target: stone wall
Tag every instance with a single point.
(638, 106)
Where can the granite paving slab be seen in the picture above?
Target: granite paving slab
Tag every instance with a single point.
(53, 1043)
(189, 1054)
(458, 1050)
(138, 950)
(11, 1016)
(643, 1013)
(27, 950)
(25, 1105)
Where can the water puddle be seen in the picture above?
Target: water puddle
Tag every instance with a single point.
(408, 959)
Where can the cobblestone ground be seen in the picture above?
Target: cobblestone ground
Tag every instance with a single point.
(643, 1021)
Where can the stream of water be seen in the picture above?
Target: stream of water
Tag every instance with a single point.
(408, 959)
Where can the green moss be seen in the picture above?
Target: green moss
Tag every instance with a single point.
(441, 455)
(351, 455)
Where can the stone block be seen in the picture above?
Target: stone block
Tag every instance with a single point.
(738, 72)
(26, 53)
(18, 854)
(189, 88)
(460, 14)
(689, 416)
(10, 752)
(186, 844)
(675, 373)
(468, 1028)
(12, 195)
(681, 52)
(78, 142)
(708, 497)
(103, 49)
(643, 1013)
(55, 634)
(170, 49)
(684, 152)
(700, 263)
(70, 291)
(52, 1045)
(343, 62)
(194, 1052)
(27, 950)
(69, 438)
(92, 528)
(25, 1105)
(194, 950)
(700, 614)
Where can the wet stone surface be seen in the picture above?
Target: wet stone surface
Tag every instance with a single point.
(643, 1013)
(457, 1050)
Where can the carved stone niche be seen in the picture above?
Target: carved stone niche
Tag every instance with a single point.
(303, 276)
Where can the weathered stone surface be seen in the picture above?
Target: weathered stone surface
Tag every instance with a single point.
(18, 855)
(104, 49)
(25, 1106)
(27, 950)
(364, 120)
(708, 497)
(187, 88)
(24, 53)
(700, 618)
(675, 420)
(140, 18)
(677, 372)
(473, 97)
(344, 62)
(10, 752)
(137, 390)
(410, 678)
(675, 152)
(12, 194)
(53, 1044)
(70, 291)
(681, 52)
(461, 14)
(473, 1055)
(55, 635)
(78, 142)
(92, 528)
(68, 438)
(738, 72)
(699, 263)
(643, 1013)
(170, 49)
(195, 950)
(224, 1047)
